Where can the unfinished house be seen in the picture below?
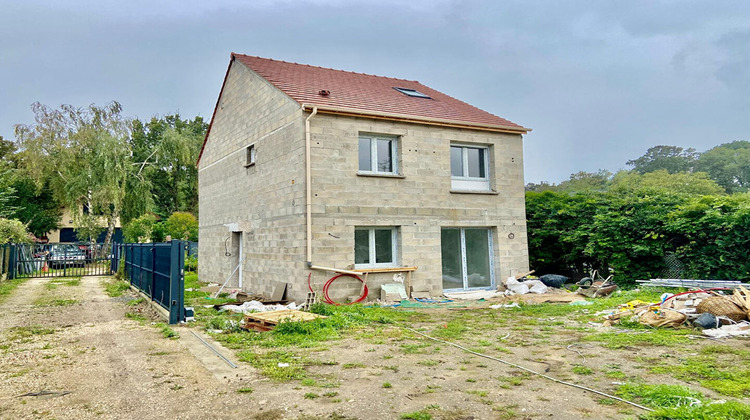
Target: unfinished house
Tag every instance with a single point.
(314, 171)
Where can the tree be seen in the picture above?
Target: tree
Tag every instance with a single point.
(586, 181)
(167, 148)
(36, 207)
(673, 159)
(85, 154)
(729, 165)
(712, 236)
(696, 183)
(13, 231)
(181, 225)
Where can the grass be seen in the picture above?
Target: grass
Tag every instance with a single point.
(675, 402)
(73, 281)
(582, 370)
(8, 286)
(167, 331)
(136, 316)
(52, 301)
(722, 369)
(17, 333)
(640, 337)
(417, 415)
(116, 288)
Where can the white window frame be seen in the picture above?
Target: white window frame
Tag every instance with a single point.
(468, 183)
(371, 246)
(465, 276)
(374, 154)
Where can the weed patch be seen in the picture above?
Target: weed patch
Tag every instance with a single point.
(115, 288)
(727, 375)
(50, 301)
(417, 415)
(681, 403)
(8, 286)
(17, 333)
(167, 331)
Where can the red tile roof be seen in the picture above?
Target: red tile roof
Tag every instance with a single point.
(364, 92)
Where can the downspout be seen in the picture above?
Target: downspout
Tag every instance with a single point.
(308, 188)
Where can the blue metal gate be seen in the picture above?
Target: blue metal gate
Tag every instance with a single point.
(156, 269)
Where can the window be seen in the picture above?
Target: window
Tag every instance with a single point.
(412, 92)
(250, 155)
(378, 155)
(374, 247)
(467, 258)
(470, 168)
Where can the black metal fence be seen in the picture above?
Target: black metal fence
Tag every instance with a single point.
(55, 260)
(156, 269)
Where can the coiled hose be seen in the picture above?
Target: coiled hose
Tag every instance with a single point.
(328, 299)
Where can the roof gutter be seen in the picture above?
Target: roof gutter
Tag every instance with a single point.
(415, 119)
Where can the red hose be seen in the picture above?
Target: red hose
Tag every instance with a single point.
(695, 291)
(328, 299)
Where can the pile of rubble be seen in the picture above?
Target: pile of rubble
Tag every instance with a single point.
(720, 312)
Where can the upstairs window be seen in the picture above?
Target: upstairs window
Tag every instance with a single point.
(470, 168)
(378, 155)
(250, 155)
(374, 247)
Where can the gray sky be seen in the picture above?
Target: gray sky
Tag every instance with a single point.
(598, 81)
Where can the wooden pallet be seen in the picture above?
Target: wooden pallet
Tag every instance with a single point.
(265, 321)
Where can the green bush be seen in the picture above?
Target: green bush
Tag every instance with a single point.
(182, 225)
(13, 231)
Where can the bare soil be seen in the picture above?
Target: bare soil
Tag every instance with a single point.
(76, 343)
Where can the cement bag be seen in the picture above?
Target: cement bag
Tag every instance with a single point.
(516, 287)
(536, 286)
(665, 318)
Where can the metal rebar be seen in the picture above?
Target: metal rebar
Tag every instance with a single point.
(229, 362)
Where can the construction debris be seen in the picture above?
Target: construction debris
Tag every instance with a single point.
(719, 315)
(255, 306)
(265, 321)
(690, 283)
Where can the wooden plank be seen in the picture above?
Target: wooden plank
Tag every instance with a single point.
(386, 270)
(275, 317)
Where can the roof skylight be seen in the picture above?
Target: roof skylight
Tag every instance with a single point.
(412, 92)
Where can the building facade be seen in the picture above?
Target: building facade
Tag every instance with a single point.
(399, 177)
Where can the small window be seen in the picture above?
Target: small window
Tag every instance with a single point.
(412, 92)
(470, 168)
(374, 247)
(250, 157)
(378, 154)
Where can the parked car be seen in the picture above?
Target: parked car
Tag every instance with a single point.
(66, 255)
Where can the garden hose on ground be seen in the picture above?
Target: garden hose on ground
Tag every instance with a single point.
(326, 286)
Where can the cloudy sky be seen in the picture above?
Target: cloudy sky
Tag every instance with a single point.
(598, 81)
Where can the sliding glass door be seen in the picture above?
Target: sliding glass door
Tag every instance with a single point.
(467, 258)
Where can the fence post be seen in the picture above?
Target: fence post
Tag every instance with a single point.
(12, 262)
(177, 282)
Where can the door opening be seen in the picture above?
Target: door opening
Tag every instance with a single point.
(467, 258)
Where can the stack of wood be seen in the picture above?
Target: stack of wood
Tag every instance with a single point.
(266, 321)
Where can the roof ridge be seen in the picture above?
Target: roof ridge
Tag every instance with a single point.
(326, 68)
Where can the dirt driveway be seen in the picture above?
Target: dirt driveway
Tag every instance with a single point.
(74, 341)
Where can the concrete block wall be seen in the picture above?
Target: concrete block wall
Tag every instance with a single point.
(265, 201)
(419, 204)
